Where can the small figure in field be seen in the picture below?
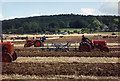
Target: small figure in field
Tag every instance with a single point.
(85, 39)
(43, 38)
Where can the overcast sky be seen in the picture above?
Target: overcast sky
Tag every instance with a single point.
(10, 9)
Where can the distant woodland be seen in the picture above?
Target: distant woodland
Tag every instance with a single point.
(53, 23)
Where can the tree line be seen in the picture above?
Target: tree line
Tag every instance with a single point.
(53, 23)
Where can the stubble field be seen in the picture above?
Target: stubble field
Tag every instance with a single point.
(34, 63)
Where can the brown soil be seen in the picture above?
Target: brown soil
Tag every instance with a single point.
(95, 69)
(37, 52)
(41, 69)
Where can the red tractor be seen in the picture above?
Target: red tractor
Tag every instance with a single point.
(93, 44)
(7, 51)
(35, 42)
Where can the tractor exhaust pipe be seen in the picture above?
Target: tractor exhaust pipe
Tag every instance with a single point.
(98, 36)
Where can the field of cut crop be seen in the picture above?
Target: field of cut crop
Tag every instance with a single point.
(73, 39)
(33, 63)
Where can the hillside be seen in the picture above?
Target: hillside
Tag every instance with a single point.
(53, 23)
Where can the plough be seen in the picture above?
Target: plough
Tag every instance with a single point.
(58, 46)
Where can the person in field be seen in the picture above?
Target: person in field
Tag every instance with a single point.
(85, 39)
(43, 39)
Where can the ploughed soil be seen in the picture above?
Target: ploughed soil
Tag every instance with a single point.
(41, 69)
(75, 68)
(63, 79)
(37, 52)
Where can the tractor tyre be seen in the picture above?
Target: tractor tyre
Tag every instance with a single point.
(85, 47)
(6, 57)
(37, 43)
(14, 56)
(104, 49)
(57, 49)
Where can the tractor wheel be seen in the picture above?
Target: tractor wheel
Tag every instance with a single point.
(57, 49)
(85, 47)
(6, 57)
(26, 45)
(37, 43)
(14, 56)
(104, 49)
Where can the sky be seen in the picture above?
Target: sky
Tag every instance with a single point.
(10, 9)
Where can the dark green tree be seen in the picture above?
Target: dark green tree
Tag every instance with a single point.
(96, 25)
